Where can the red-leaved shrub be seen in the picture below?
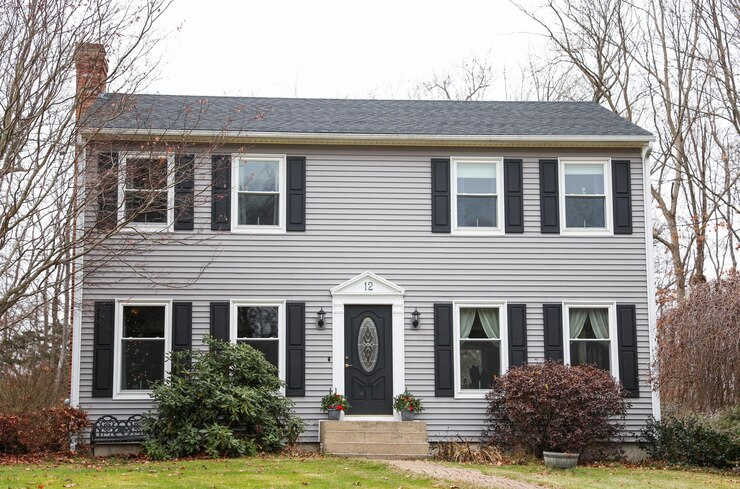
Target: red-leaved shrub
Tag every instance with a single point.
(554, 407)
(47, 430)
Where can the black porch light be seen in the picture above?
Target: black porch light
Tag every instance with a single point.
(321, 314)
(415, 318)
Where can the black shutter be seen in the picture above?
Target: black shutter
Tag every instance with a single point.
(220, 321)
(184, 192)
(514, 196)
(443, 369)
(296, 198)
(220, 193)
(295, 342)
(622, 187)
(103, 343)
(182, 330)
(549, 203)
(627, 340)
(440, 195)
(552, 317)
(107, 215)
(517, 324)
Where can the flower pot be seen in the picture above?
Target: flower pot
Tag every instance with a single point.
(407, 415)
(334, 414)
(560, 460)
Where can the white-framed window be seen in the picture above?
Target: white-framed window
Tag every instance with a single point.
(590, 335)
(146, 191)
(261, 325)
(477, 200)
(142, 332)
(480, 346)
(585, 196)
(258, 193)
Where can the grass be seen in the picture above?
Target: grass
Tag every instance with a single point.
(607, 477)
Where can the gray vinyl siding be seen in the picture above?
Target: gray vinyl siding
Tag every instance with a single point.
(369, 209)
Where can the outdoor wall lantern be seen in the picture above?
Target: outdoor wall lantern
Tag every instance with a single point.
(321, 314)
(415, 318)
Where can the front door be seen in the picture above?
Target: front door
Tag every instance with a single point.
(368, 359)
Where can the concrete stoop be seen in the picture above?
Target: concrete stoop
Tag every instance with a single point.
(375, 439)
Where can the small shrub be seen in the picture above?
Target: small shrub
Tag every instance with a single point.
(555, 407)
(227, 404)
(690, 441)
(46, 430)
(464, 452)
(407, 402)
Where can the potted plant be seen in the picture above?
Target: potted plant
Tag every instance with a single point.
(408, 405)
(334, 404)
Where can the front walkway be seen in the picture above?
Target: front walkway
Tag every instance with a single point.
(459, 474)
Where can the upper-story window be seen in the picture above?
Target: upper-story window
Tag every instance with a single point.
(259, 193)
(146, 191)
(591, 336)
(585, 198)
(477, 206)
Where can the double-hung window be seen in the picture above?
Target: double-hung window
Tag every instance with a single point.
(585, 202)
(262, 327)
(146, 191)
(480, 347)
(477, 206)
(591, 336)
(259, 193)
(143, 345)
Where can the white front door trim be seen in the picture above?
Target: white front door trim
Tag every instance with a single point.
(368, 288)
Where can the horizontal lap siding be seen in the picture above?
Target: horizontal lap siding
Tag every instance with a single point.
(371, 210)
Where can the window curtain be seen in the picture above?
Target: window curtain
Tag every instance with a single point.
(467, 316)
(599, 322)
(577, 321)
(490, 323)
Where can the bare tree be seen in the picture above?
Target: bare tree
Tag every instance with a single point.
(468, 81)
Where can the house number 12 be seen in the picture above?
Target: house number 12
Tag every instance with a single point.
(368, 285)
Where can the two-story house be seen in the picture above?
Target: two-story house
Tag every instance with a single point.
(366, 246)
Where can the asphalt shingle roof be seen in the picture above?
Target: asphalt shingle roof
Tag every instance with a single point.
(341, 116)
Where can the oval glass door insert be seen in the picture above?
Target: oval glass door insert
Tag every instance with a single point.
(367, 344)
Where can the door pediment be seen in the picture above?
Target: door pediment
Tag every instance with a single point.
(368, 284)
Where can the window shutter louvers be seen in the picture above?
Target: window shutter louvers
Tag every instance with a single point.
(627, 341)
(552, 317)
(440, 195)
(295, 342)
(549, 203)
(182, 330)
(443, 366)
(107, 215)
(296, 198)
(184, 192)
(622, 188)
(514, 196)
(220, 321)
(103, 344)
(517, 324)
(220, 193)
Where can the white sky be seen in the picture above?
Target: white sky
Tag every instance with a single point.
(331, 48)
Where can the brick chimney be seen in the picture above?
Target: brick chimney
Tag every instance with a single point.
(92, 73)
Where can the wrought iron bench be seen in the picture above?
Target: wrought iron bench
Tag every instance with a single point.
(110, 430)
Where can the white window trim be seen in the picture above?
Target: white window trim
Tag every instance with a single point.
(144, 226)
(457, 305)
(481, 231)
(281, 328)
(613, 346)
(282, 203)
(139, 394)
(608, 197)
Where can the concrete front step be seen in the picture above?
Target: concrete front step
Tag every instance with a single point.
(375, 439)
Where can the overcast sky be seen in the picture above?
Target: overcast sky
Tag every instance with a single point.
(332, 48)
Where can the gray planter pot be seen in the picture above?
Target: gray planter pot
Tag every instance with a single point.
(407, 415)
(560, 460)
(334, 414)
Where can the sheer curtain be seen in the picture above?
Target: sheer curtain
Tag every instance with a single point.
(577, 321)
(467, 316)
(599, 322)
(489, 321)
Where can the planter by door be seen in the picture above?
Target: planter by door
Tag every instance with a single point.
(368, 351)
(334, 414)
(560, 460)
(407, 415)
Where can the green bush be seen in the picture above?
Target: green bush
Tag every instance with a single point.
(227, 404)
(690, 441)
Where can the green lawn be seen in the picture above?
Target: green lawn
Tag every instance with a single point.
(617, 476)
